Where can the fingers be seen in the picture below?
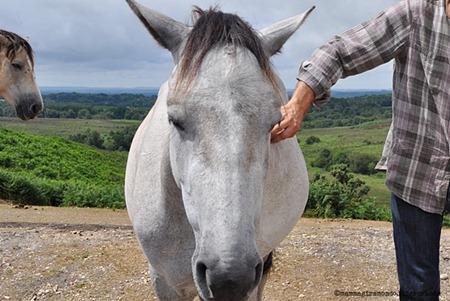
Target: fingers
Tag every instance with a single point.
(287, 128)
(282, 136)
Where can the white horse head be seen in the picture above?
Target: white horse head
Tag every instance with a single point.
(221, 103)
(17, 81)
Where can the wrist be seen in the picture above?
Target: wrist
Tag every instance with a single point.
(302, 98)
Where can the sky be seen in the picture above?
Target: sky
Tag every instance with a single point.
(101, 43)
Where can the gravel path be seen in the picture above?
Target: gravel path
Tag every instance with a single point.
(92, 254)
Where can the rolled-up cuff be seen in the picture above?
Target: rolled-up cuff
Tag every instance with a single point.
(312, 77)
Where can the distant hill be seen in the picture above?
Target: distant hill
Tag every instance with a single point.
(90, 90)
(338, 93)
(151, 91)
(357, 93)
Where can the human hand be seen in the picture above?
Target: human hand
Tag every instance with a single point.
(293, 113)
(288, 126)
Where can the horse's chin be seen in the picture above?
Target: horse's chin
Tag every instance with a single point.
(20, 114)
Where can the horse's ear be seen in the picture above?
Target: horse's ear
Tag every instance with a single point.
(169, 33)
(274, 36)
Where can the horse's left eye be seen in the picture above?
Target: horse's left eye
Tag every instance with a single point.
(17, 66)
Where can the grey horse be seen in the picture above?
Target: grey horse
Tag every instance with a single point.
(209, 196)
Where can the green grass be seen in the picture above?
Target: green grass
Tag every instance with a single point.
(64, 127)
(47, 170)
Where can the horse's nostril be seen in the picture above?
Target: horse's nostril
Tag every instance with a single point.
(258, 273)
(202, 281)
(201, 271)
(35, 109)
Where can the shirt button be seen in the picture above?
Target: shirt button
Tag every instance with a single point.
(306, 65)
(434, 91)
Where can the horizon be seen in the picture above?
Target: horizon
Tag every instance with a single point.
(75, 88)
(153, 91)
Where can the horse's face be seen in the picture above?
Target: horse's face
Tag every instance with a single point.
(17, 84)
(223, 102)
(219, 147)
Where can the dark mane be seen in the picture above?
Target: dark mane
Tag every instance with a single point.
(15, 42)
(213, 27)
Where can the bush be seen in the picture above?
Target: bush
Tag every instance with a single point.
(31, 190)
(324, 160)
(100, 196)
(344, 196)
(312, 139)
(363, 164)
(116, 140)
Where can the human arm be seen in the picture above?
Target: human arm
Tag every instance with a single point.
(359, 49)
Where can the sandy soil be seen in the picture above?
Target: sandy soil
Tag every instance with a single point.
(92, 254)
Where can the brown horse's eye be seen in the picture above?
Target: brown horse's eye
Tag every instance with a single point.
(17, 66)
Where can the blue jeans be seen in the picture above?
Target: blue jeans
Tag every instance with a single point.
(417, 237)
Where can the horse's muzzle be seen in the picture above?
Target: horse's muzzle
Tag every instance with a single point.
(232, 279)
(29, 107)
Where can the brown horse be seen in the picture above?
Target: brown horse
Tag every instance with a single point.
(17, 81)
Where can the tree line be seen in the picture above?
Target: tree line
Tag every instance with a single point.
(91, 106)
(338, 112)
(350, 111)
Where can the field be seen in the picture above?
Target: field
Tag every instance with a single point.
(63, 127)
(367, 138)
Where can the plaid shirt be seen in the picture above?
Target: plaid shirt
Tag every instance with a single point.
(415, 33)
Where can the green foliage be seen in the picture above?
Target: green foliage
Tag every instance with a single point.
(54, 171)
(363, 164)
(115, 140)
(357, 162)
(343, 196)
(349, 111)
(91, 106)
(324, 159)
(312, 139)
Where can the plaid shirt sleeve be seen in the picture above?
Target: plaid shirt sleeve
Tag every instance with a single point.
(359, 49)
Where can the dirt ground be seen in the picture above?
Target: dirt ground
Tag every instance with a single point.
(92, 254)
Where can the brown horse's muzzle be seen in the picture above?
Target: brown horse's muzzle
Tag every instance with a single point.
(29, 107)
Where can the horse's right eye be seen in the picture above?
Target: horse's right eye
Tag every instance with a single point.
(176, 123)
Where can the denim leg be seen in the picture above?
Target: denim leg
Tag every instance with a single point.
(417, 238)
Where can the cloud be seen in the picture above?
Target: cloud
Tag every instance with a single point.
(102, 43)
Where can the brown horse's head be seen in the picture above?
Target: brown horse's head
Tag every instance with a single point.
(17, 80)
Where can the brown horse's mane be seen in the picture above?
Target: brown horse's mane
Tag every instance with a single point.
(213, 27)
(15, 42)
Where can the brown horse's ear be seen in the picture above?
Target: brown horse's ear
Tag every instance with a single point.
(274, 36)
(3, 40)
(169, 33)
